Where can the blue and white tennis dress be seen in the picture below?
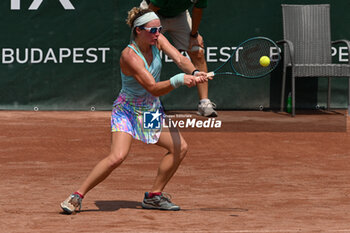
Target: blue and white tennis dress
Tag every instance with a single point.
(134, 100)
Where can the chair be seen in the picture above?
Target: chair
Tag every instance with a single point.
(307, 47)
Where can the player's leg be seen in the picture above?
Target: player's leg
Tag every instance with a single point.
(172, 140)
(179, 29)
(120, 147)
(176, 146)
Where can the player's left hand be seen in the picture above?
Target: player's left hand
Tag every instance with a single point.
(201, 77)
(204, 75)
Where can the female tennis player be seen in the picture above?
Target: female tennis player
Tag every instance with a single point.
(140, 65)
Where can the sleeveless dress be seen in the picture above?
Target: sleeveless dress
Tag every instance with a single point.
(134, 100)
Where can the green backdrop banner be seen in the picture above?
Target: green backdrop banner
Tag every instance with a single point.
(64, 55)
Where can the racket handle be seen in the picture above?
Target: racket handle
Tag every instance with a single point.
(211, 74)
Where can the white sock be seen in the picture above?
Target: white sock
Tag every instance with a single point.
(203, 101)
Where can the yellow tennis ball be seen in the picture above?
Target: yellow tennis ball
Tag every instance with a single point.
(264, 61)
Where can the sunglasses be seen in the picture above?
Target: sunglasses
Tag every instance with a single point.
(153, 30)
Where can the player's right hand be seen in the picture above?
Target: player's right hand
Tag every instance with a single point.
(191, 80)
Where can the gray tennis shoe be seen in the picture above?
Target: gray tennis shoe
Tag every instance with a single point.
(72, 204)
(207, 109)
(159, 202)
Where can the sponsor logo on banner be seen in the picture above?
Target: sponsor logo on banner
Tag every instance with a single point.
(59, 55)
(36, 55)
(16, 4)
(222, 54)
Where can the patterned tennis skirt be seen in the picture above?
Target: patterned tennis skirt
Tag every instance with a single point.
(127, 116)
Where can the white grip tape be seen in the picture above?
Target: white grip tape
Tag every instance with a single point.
(211, 74)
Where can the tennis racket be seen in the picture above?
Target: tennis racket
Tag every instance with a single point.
(254, 58)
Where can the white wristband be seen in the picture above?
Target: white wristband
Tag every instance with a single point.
(177, 80)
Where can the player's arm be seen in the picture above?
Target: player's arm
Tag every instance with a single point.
(181, 61)
(132, 65)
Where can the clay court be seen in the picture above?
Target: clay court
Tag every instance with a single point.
(267, 173)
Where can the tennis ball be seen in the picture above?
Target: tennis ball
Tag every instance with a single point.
(264, 61)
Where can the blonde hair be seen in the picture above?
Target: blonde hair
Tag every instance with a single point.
(134, 13)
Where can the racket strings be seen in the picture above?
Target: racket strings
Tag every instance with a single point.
(247, 60)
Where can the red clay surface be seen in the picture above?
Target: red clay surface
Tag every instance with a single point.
(232, 181)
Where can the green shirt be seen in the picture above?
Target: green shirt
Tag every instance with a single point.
(172, 8)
